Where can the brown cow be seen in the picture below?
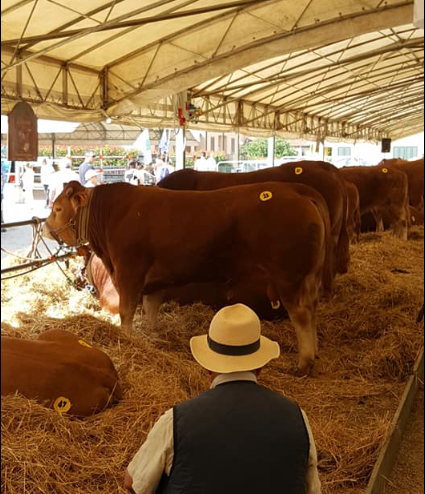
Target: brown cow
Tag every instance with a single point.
(416, 216)
(415, 174)
(60, 371)
(383, 192)
(214, 295)
(354, 220)
(323, 177)
(274, 232)
(369, 220)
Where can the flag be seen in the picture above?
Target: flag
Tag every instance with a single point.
(164, 142)
(143, 144)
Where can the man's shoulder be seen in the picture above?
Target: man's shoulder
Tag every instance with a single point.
(236, 388)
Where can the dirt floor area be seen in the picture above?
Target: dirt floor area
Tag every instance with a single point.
(369, 341)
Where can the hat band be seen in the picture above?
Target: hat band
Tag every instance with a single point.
(234, 351)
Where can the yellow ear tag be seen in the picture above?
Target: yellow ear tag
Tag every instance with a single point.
(266, 196)
(84, 343)
(62, 405)
(299, 171)
(276, 305)
(385, 170)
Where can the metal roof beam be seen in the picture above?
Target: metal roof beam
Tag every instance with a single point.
(332, 31)
(17, 6)
(111, 25)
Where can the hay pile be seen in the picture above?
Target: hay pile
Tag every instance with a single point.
(369, 342)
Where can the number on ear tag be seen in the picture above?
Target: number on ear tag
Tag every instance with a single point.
(266, 196)
(62, 405)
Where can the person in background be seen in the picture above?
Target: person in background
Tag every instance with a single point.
(201, 163)
(211, 164)
(131, 175)
(47, 172)
(3, 181)
(28, 180)
(86, 165)
(92, 179)
(158, 168)
(146, 178)
(236, 438)
(61, 178)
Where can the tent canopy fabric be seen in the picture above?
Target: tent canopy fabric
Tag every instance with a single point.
(315, 68)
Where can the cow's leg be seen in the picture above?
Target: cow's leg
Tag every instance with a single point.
(400, 226)
(303, 320)
(130, 287)
(380, 227)
(301, 305)
(151, 305)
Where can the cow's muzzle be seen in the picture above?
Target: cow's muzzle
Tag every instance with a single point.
(53, 234)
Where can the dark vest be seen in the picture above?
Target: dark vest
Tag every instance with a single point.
(238, 438)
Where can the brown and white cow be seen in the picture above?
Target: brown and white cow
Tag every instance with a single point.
(60, 371)
(321, 176)
(150, 239)
(354, 220)
(383, 192)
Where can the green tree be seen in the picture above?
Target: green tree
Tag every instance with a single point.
(259, 149)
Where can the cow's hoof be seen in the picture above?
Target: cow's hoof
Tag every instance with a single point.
(300, 373)
(305, 371)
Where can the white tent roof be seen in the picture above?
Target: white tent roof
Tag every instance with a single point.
(317, 68)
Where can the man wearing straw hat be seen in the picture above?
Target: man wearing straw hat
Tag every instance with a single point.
(236, 438)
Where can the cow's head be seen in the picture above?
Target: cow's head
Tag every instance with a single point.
(61, 223)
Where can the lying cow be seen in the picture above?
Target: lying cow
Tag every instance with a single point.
(277, 233)
(60, 371)
(323, 177)
(354, 221)
(215, 295)
(384, 193)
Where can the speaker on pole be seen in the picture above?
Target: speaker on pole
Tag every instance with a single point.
(386, 145)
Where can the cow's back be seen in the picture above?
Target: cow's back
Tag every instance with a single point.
(321, 176)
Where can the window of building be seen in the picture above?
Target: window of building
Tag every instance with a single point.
(405, 152)
(212, 143)
(345, 151)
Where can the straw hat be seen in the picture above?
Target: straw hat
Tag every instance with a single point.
(234, 343)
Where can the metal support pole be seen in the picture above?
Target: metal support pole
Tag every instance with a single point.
(271, 151)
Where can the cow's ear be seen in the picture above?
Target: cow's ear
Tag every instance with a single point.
(69, 191)
(80, 199)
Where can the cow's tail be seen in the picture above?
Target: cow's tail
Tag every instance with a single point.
(343, 248)
(328, 266)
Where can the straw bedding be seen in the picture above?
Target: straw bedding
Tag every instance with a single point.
(368, 339)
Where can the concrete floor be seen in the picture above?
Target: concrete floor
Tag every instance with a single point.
(19, 239)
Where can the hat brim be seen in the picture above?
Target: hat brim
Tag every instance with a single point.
(224, 364)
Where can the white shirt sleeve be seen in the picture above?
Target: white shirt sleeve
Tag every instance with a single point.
(314, 485)
(155, 457)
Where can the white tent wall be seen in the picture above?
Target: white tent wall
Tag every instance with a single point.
(313, 68)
